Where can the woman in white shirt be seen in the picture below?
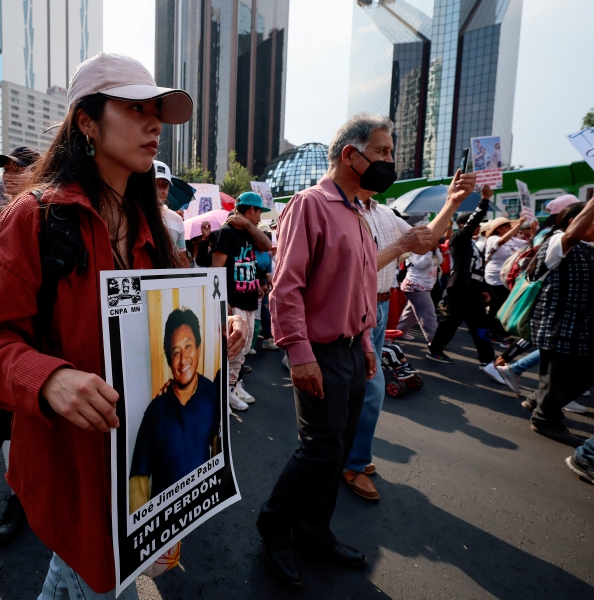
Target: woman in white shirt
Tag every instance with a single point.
(421, 276)
(501, 244)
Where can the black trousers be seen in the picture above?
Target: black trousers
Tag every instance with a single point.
(499, 294)
(304, 497)
(562, 378)
(465, 304)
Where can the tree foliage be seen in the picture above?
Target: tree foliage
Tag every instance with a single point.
(237, 178)
(588, 120)
(196, 174)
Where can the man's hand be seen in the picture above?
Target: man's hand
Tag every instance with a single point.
(237, 336)
(370, 365)
(486, 297)
(461, 187)
(82, 398)
(308, 378)
(205, 227)
(237, 220)
(417, 240)
(487, 192)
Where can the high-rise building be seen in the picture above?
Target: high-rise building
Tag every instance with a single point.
(443, 70)
(41, 43)
(230, 56)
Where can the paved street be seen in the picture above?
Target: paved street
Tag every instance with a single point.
(473, 504)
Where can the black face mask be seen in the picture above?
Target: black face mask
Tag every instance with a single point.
(379, 176)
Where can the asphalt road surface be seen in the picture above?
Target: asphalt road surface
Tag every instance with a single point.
(473, 504)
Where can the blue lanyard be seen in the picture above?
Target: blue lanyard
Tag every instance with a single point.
(345, 200)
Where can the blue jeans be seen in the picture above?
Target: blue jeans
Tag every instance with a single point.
(585, 452)
(375, 390)
(530, 360)
(62, 583)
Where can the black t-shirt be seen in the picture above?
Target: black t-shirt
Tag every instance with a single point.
(242, 279)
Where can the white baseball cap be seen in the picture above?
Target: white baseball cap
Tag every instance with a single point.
(162, 171)
(124, 78)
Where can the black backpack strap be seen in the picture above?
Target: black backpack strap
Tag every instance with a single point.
(61, 249)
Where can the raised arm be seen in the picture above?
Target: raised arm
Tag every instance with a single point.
(462, 186)
(512, 232)
(580, 228)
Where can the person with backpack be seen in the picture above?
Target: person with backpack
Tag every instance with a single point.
(501, 244)
(93, 207)
(467, 293)
(562, 322)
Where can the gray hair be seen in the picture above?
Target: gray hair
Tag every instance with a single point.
(357, 132)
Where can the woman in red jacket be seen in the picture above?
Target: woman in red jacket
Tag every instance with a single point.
(101, 162)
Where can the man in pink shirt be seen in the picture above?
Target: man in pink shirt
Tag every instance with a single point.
(323, 306)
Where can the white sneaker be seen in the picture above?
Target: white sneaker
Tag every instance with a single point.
(510, 377)
(252, 351)
(285, 361)
(235, 402)
(269, 345)
(242, 394)
(492, 371)
(586, 394)
(575, 408)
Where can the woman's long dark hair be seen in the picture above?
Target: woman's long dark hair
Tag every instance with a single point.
(67, 161)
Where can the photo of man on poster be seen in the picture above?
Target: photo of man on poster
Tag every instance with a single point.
(181, 426)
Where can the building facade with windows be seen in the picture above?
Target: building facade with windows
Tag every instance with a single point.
(41, 43)
(443, 70)
(230, 56)
(296, 169)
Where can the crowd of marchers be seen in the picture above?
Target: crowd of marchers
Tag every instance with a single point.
(320, 285)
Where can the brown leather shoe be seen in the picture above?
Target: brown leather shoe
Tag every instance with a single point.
(361, 485)
(370, 469)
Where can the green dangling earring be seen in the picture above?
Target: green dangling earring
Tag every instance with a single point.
(90, 147)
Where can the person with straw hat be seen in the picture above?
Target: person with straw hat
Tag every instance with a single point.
(501, 244)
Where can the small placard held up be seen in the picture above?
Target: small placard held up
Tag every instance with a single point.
(583, 142)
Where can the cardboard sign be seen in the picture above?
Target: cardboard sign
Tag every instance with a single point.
(486, 159)
(171, 465)
(263, 188)
(525, 200)
(207, 197)
(583, 142)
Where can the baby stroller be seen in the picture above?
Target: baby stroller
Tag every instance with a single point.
(405, 375)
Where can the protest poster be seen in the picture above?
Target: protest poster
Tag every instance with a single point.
(486, 158)
(164, 335)
(263, 188)
(207, 197)
(525, 200)
(583, 142)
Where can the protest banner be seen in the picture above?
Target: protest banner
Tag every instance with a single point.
(207, 197)
(525, 200)
(486, 160)
(583, 142)
(263, 188)
(165, 354)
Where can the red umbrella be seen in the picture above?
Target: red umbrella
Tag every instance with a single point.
(227, 202)
(215, 217)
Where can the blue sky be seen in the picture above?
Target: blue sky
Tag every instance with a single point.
(554, 87)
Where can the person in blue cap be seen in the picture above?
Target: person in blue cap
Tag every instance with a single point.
(234, 248)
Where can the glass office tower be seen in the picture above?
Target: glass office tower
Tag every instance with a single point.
(230, 55)
(443, 70)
